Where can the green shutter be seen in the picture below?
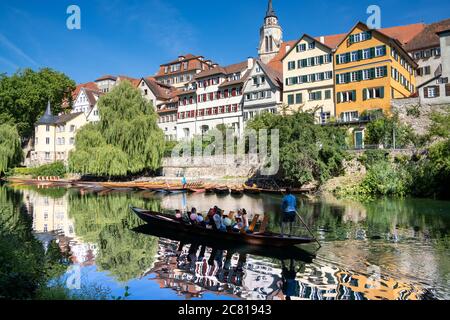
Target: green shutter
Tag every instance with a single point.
(354, 95)
(321, 59)
(328, 94)
(337, 59)
(359, 56)
(339, 97)
(359, 75)
(382, 92)
(364, 94)
(372, 52)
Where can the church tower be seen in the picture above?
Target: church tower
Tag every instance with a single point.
(271, 36)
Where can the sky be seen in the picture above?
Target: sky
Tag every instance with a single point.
(133, 37)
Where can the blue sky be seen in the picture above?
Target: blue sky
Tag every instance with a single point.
(134, 37)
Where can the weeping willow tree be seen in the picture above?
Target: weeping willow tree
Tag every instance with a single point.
(127, 140)
(108, 222)
(10, 149)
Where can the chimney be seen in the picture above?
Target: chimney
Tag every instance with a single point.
(322, 39)
(249, 63)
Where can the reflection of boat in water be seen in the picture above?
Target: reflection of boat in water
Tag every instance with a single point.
(287, 253)
(266, 238)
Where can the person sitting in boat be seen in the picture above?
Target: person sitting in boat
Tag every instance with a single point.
(178, 215)
(194, 215)
(244, 217)
(239, 225)
(227, 221)
(201, 220)
(218, 221)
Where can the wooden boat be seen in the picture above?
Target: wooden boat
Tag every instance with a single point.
(252, 190)
(237, 191)
(269, 239)
(222, 190)
(194, 190)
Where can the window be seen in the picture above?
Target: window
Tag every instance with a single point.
(314, 96)
(72, 140)
(47, 156)
(349, 116)
(373, 93)
(346, 96)
(327, 94)
(291, 65)
(290, 99)
(145, 92)
(312, 45)
(427, 70)
(72, 128)
(47, 128)
(298, 98)
(301, 47)
(47, 140)
(431, 92)
(380, 51)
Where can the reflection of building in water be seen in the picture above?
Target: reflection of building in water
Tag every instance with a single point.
(51, 221)
(192, 270)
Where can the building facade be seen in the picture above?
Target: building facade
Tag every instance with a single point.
(425, 48)
(55, 137)
(214, 98)
(270, 36)
(86, 102)
(309, 78)
(262, 91)
(181, 71)
(371, 69)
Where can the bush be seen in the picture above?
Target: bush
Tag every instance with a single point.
(370, 157)
(56, 169)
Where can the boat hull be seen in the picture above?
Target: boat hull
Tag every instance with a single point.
(271, 240)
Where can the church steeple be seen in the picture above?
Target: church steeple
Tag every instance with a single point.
(271, 35)
(270, 12)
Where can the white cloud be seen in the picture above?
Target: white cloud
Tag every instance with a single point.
(6, 43)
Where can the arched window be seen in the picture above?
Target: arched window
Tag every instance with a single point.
(271, 44)
(267, 43)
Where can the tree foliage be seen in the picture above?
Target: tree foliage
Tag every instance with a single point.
(24, 96)
(308, 152)
(385, 128)
(10, 150)
(127, 140)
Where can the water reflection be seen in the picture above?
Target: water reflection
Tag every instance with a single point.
(406, 239)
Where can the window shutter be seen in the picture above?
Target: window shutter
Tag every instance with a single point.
(354, 95)
(372, 52)
(425, 92)
(319, 95)
(359, 56)
(447, 90)
(339, 99)
(364, 94)
(437, 91)
(382, 92)
(337, 59)
(360, 75)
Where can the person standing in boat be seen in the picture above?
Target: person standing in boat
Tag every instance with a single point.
(289, 208)
(184, 182)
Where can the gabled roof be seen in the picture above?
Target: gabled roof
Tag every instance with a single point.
(160, 90)
(403, 34)
(88, 85)
(134, 81)
(275, 77)
(299, 40)
(64, 118)
(428, 38)
(232, 68)
(91, 95)
(106, 77)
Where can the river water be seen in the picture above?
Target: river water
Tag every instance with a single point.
(388, 249)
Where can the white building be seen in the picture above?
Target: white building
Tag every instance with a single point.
(86, 102)
(262, 91)
(214, 98)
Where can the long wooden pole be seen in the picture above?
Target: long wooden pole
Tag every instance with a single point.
(301, 219)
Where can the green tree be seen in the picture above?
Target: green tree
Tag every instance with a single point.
(308, 152)
(384, 128)
(10, 150)
(127, 140)
(24, 96)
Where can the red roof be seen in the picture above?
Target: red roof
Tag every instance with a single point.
(428, 37)
(403, 34)
(89, 85)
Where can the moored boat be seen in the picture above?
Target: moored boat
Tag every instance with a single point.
(269, 239)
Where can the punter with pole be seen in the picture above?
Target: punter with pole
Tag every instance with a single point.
(289, 208)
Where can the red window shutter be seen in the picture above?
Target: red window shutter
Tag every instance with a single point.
(447, 89)
(233, 92)
(425, 92)
(211, 96)
(438, 94)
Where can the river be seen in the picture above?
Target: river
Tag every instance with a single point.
(387, 249)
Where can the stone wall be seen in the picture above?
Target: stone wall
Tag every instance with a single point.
(411, 112)
(211, 166)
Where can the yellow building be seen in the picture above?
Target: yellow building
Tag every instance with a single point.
(371, 69)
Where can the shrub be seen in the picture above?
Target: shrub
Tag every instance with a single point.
(56, 169)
